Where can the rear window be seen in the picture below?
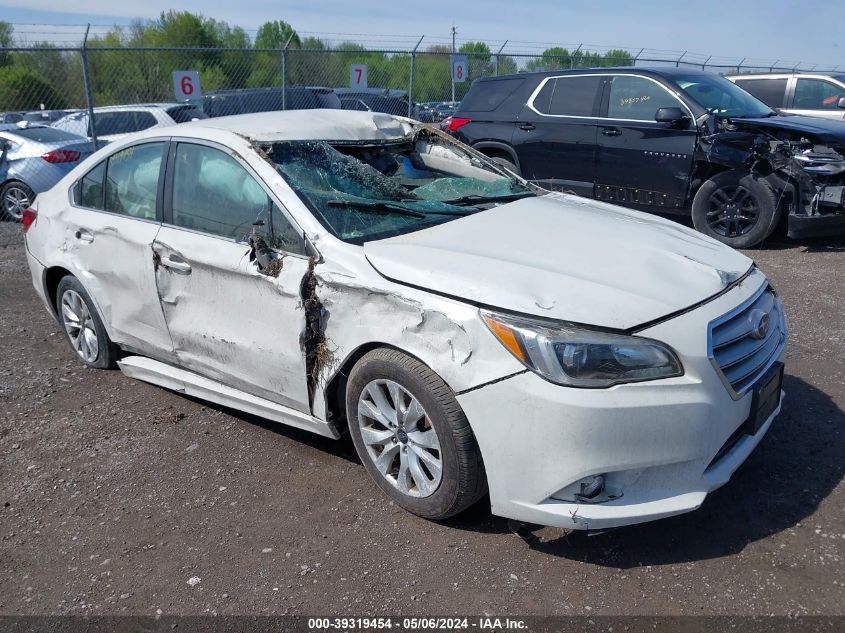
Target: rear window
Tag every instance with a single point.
(569, 96)
(45, 134)
(486, 96)
(769, 91)
(106, 123)
(183, 114)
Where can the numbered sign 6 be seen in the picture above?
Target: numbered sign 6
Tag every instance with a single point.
(459, 68)
(357, 75)
(186, 84)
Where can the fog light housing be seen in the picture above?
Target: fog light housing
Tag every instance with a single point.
(591, 487)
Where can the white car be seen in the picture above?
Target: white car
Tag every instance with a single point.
(114, 122)
(807, 94)
(351, 271)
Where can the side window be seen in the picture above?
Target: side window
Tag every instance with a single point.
(637, 98)
(213, 193)
(769, 91)
(816, 94)
(89, 189)
(132, 176)
(568, 96)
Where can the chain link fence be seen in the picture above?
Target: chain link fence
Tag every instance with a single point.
(94, 93)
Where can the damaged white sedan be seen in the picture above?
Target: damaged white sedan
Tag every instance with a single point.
(345, 271)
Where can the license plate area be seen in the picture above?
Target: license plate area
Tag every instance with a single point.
(765, 399)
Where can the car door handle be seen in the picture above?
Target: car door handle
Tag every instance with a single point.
(83, 236)
(527, 127)
(611, 131)
(176, 264)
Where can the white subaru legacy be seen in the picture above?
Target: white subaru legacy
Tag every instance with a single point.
(356, 272)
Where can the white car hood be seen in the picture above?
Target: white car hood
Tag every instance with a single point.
(564, 257)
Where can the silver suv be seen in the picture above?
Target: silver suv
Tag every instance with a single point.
(810, 94)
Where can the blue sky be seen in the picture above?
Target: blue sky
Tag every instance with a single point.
(809, 30)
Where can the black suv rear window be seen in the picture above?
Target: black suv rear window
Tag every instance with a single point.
(569, 96)
(485, 96)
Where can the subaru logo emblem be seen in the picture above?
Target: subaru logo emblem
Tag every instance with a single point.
(759, 324)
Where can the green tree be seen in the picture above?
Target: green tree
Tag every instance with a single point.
(24, 89)
(6, 40)
(554, 58)
(275, 34)
(618, 57)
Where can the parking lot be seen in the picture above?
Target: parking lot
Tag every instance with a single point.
(115, 493)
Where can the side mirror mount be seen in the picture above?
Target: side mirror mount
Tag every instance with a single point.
(673, 116)
(841, 103)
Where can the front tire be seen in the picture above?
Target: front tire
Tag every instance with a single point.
(15, 198)
(412, 436)
(83, 327)
(737, 209)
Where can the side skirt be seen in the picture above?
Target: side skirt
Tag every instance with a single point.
(189, 383)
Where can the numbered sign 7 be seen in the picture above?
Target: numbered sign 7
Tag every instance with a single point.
(357, 75)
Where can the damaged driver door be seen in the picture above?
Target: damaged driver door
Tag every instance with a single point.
(229, 321)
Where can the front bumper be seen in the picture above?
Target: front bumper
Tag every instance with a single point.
(660, 444)
(810, 226)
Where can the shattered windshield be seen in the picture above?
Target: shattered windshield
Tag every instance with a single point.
(719, 96)
(366, 192)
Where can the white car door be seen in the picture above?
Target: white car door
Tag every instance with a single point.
(228, 321)
(110, 225)
(813, 96)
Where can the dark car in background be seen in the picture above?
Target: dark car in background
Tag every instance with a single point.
(248, 100)
(665, 140)
(384, 100)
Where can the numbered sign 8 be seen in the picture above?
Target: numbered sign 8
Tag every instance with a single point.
(459, 68)
(357, 75)
(186, 84)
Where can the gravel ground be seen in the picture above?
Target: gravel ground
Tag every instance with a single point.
(116, 494)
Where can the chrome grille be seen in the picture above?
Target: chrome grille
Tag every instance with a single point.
(739, 348)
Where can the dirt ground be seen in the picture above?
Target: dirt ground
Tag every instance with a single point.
(116, 493)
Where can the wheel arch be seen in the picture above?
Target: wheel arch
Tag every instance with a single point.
(497, 149)
(334, 391)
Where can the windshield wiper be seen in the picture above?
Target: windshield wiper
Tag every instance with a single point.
(475, 198)
(377, 207)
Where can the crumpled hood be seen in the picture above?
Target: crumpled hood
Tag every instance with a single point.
(564, 257)
(823, 130)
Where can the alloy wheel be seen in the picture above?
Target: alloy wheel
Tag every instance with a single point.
(16, 201)
(732, 211)
(399, 438)
(79, 325)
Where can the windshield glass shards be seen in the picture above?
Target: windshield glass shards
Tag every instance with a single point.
(366, 192)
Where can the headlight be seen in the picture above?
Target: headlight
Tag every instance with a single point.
(579, 357)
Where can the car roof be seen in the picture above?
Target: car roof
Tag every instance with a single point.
(657, 71)
(787, 73)
(303, 125)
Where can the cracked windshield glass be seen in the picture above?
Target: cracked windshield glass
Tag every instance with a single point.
(362, 193)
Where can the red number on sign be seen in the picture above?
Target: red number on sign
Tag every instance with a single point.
(187, 86)
(459, 72)
(358, 72)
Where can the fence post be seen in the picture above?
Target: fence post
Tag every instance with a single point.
(411, 80)
(739, 65)
(678, 62)
(497, 57)
(572, 57)
(285, 72)
(89, 96)
(637, 56)
(704, 65)
(772, 67)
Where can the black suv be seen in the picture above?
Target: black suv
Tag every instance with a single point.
(664, 140)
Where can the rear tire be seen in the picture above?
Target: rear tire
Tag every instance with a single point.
(15, 197)
(412, 436)
(737, 209)
(83, 327)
